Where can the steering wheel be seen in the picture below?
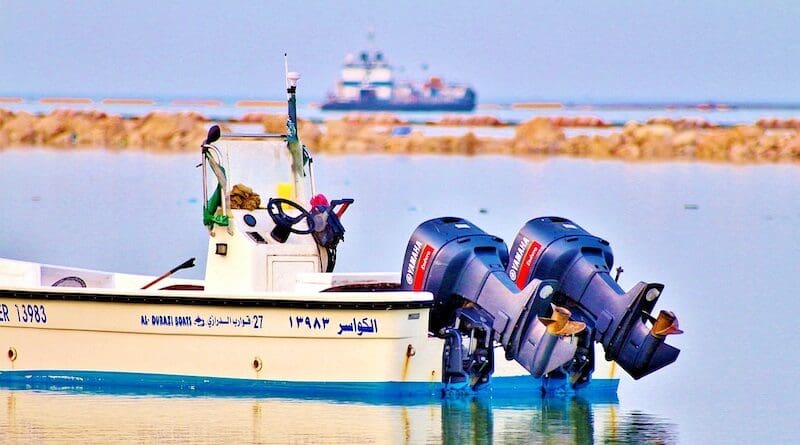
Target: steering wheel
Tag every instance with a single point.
(284, 224)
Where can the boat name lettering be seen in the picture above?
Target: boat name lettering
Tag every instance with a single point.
(308, 322)
(360, 327)
(212, 321)
(26, 313)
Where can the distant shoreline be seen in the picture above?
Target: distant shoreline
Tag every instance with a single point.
(768, 140)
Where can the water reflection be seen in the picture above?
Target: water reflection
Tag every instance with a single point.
(31, 416)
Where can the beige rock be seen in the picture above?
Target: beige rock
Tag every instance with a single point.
(651, 132)
(537, 135)
(686, 137)
(628, 151)
(739, 153)
(467, 144)
(20, 128)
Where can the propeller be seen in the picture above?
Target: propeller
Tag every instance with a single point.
(560, 324)
(666, 324)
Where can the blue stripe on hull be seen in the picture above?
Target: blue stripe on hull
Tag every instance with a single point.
(501, 388)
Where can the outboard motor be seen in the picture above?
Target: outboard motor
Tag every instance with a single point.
(557, 249)
(477, 303)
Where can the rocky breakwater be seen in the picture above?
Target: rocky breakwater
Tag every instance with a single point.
(662, 140)
(343, 136)
(653, 142)
(659, 139)
(69, 128)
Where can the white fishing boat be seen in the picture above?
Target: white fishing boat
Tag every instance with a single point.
(271, 315)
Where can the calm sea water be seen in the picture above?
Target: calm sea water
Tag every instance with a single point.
(723, 238)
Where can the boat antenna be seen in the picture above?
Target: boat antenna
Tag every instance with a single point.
(286, 69)
(295, 148)
(291, 90)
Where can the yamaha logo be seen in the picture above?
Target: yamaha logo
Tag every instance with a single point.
(523, 260)
(412, 262)
(518, 254)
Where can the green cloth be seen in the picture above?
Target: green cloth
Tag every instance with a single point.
(210, 209)
(210, 216)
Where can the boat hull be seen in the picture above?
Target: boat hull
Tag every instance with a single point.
(85, 340)
(117, 382)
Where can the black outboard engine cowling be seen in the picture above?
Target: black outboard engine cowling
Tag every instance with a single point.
(558, 249)
(428, 243)
(474, 298)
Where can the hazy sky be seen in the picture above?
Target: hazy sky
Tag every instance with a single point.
(558, 50)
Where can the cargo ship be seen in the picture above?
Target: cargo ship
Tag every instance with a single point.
(368, 83)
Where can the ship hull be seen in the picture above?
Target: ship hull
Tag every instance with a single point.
(465, 105)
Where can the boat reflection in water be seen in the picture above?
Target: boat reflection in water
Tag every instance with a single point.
(30, 416)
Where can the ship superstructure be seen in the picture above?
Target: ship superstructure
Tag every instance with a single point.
(367, 82)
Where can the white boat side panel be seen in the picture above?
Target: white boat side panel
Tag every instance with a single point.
(342, 278)
(282, 270)
(130, 282)
(57, 276)
(198, 319)
(28, 275)
(290, 344)
(247, 263)
(300, 297)
(19, 273)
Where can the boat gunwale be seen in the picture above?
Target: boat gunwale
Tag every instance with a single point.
(236, 136)
(334, 300)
